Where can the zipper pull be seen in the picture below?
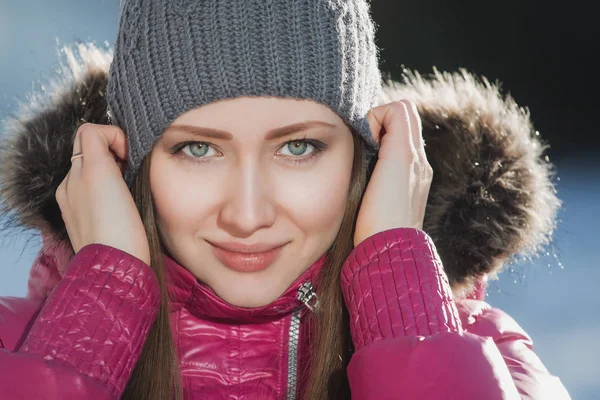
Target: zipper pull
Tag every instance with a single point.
(306, 294)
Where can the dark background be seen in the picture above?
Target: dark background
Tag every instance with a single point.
(541, 52)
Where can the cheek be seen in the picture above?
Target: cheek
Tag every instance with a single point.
(317, 201)
(178, 198)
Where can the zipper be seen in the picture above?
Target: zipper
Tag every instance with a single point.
(293, 354)
(306, 294)
(308, 297)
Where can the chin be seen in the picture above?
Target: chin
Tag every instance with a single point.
(249, 289)
(249, 298)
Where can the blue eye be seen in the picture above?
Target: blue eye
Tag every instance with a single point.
(297, 147)
(197, 149)
(298, 153)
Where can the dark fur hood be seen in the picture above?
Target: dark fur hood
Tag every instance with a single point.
(491, 198)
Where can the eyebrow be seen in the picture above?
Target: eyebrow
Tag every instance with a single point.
(272, 134)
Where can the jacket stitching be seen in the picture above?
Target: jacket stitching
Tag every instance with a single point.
(394, 270)
(59, 300)
(111, 353)
(385, 296)
(412, 305)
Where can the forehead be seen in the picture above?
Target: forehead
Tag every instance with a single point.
(264, 112)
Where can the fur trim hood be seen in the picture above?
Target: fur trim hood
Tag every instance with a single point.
(491, 198)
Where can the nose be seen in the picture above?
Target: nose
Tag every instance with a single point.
(249, 205)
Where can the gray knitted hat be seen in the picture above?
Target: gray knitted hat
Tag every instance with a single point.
(175, 55)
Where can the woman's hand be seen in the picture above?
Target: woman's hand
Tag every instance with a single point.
(397, 192)
(94, 200)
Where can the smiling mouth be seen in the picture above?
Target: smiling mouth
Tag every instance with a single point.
(246, 261)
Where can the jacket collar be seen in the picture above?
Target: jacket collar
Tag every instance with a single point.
(186, 291)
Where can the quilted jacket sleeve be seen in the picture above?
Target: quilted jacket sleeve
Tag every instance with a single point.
(409, 340)
(89, 333)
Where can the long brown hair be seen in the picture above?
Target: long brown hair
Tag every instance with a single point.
(156, 375)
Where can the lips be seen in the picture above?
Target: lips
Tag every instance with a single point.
(246, 258)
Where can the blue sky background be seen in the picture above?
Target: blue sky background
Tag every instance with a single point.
(554, 298)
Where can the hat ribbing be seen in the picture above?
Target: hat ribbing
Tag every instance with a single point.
(172, 56)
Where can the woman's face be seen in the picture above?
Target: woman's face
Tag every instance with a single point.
(229, 172)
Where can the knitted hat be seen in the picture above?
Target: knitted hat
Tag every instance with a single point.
(175, 55)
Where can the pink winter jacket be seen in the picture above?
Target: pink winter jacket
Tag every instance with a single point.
(412, 339)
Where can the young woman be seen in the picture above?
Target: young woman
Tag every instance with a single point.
(215, 223)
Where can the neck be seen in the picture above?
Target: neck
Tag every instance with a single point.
(199, 299)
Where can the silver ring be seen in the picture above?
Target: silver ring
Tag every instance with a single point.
(76, 155)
